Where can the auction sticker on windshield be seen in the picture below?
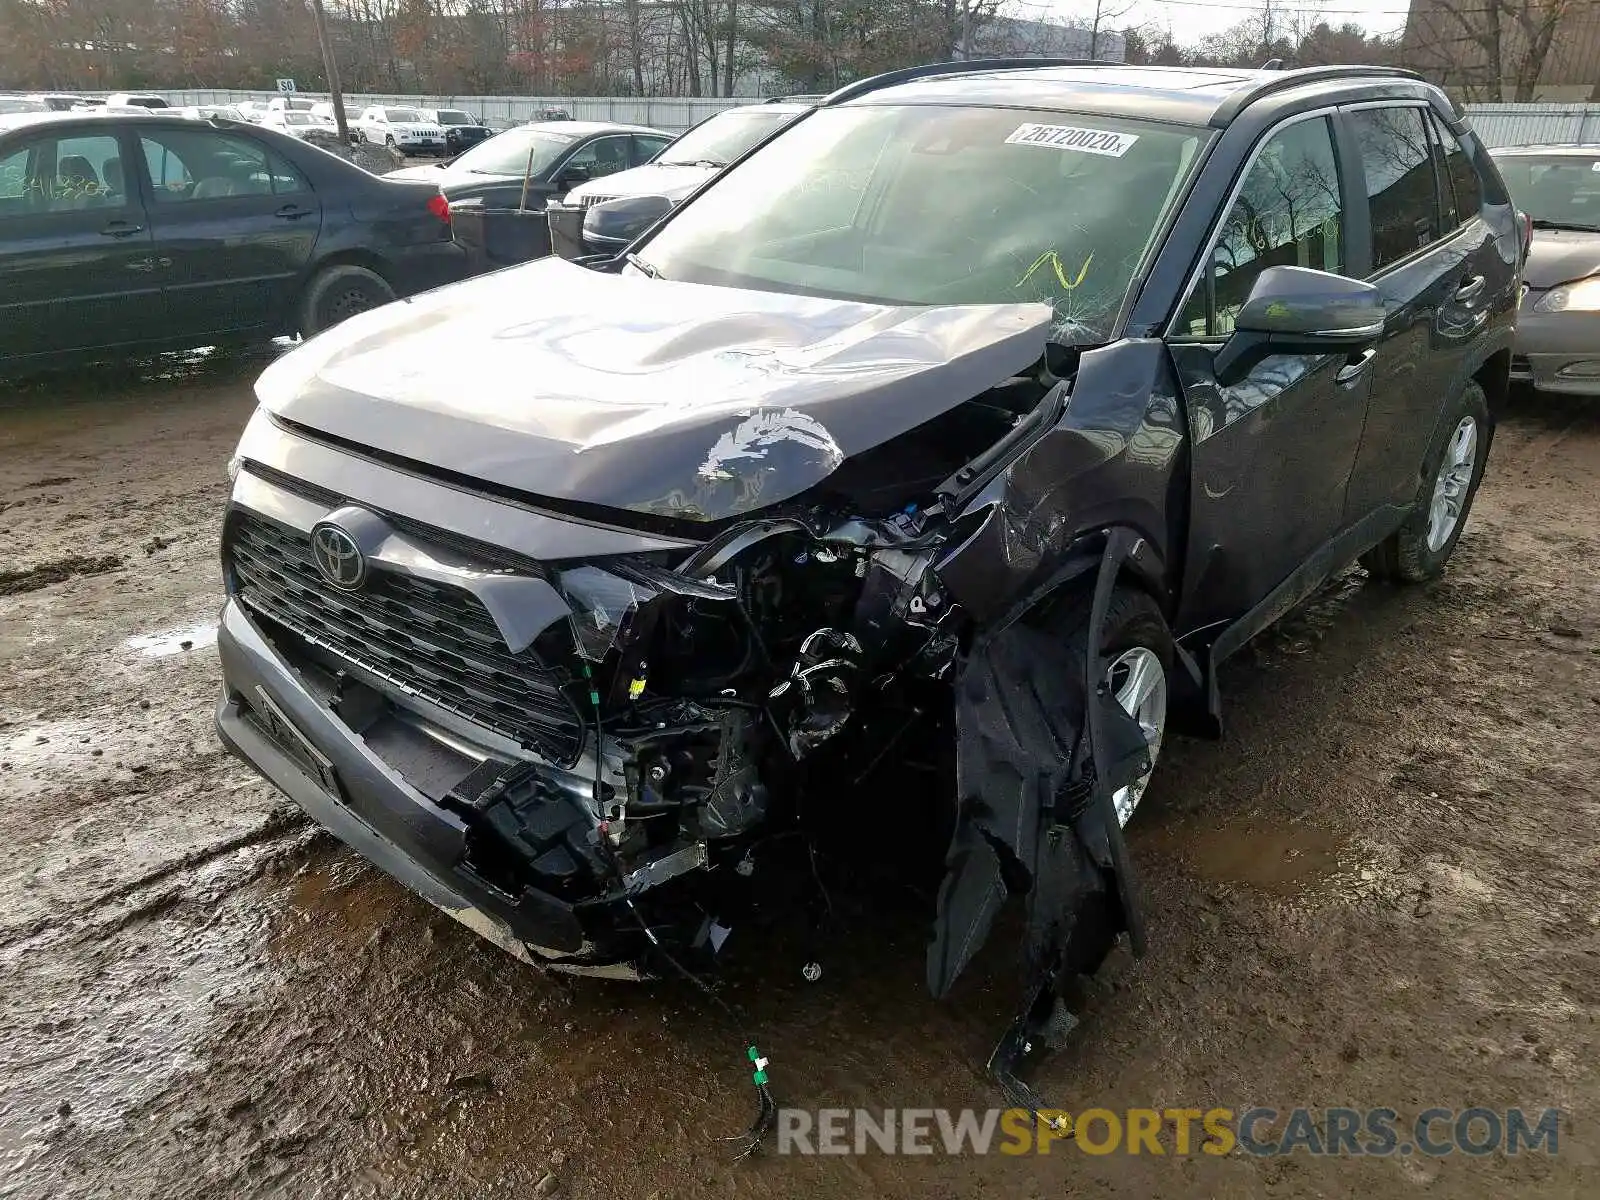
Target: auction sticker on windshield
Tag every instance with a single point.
(1070, 137)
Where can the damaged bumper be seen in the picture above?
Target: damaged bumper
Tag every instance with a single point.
(272, 720)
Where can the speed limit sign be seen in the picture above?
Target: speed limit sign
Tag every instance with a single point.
(286, 85)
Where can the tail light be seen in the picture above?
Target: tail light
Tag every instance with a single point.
(440, 207)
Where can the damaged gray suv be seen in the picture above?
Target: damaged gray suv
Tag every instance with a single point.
(908, 482)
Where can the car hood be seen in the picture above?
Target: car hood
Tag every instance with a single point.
(1560, 256)
(672, 399)
(674, 181)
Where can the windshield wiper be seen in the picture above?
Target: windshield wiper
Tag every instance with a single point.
(1547, 223)
(633, 260)
(716, 163)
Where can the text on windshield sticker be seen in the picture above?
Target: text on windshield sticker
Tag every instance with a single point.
(1070, 137)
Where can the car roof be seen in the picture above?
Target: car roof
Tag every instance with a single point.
(1185, 95)
(10, 122)
(780, 107)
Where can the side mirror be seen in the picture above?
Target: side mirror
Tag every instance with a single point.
(613, 224)
(1295, 310)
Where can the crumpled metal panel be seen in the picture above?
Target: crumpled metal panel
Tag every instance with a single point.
(673, 399)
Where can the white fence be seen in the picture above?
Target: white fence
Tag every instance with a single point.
(670, 113)
(1497, 124)
(1536, 124)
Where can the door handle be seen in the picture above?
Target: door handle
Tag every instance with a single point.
(291, 212)
(141, 264)
(121, 229)
(1470, 287)
(1355, 367)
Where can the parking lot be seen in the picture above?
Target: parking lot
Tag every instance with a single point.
(1377, 890)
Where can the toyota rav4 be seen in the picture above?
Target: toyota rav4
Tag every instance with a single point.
(906, 485)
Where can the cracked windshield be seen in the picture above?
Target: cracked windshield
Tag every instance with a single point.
(939, 205)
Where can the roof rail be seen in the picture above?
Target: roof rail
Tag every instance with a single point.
(803, 98)
(1279, 80)
(862, 87)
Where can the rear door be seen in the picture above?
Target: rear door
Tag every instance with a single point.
(234, 224)
(1272, 453)
(76, 265)
(1433, 257)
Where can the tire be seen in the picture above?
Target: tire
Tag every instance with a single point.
(1419, 549)
(389, 142)
(339, 292)
(1133, 624)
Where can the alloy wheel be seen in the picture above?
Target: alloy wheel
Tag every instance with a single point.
(1451, 484)
(1138, 680)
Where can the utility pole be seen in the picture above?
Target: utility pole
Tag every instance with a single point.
(331, 68)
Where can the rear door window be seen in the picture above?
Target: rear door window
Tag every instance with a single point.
(1401, 187)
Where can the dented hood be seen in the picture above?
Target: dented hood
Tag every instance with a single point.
(1560, 256)
(673, 399)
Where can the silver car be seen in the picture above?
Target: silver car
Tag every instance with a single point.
(1558, 329)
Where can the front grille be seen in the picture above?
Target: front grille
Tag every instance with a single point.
(586, 201)
(433, 640)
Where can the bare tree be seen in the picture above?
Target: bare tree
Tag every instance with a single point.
(1488, 49)
(1105, 13)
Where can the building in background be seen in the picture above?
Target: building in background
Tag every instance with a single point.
(1486, 51)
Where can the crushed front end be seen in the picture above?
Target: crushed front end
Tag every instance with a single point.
(579, 754)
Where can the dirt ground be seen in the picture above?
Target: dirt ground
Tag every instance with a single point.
(1379, 890)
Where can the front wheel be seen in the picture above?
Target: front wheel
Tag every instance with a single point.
(338, 293)
(1137, 649)
(1419, 549)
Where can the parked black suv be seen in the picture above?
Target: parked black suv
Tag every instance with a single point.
(906, 485)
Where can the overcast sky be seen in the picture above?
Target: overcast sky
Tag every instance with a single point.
(1193, 19)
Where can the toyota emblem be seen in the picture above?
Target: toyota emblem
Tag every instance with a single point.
(337, 556)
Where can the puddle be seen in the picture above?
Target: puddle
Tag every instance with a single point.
(1285, 860)
(174, 641)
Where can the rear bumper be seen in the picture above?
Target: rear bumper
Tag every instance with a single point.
(414, 269)
(370, 807)
(1558, 352)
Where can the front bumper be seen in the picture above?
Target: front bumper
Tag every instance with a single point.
(372, 808)
(1558, 352)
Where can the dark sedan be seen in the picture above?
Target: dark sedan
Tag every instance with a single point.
(682, 167)
(130, 233)
(1558, 331)
(553, 157)
(462, 130)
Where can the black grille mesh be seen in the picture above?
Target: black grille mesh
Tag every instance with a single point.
(431, 639)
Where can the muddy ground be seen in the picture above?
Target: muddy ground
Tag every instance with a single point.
(1380, 889)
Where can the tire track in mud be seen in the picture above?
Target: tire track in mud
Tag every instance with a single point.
(14, 583)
